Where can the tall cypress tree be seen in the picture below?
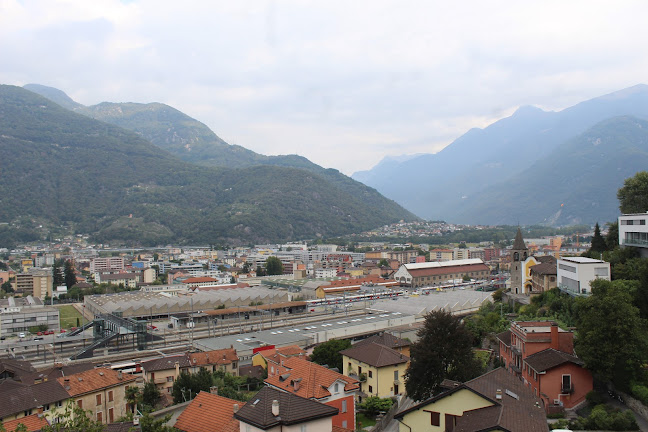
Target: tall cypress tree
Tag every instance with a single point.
(70, 277)
(58, 279)
(598, 242)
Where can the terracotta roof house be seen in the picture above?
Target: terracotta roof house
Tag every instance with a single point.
(33, 423)
(542, 355)
(380, 369)
(208, 412)
(312, 381)
(270, 408)
(164, 371)
(224, 359)
(271, 359)
(100, 390)
(495, 401)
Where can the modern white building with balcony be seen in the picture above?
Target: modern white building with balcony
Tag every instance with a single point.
(576, 273)
(633, 231)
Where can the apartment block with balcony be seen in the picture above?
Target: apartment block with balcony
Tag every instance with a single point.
(576, 273)
(633, 231)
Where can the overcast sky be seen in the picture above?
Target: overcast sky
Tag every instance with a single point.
(344, 83)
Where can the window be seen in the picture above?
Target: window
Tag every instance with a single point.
(600, 271)
(98, 399)
(396, 375)
(46, 407)
(370, 374)
(303, 428)
(110, 396)
(566, 383)
(170, 379)
(344, 406)
(100, 417)
(111, 416)
(349, 365)
(435, 418)
(336, 388)
(344, 424)
(370, 389)
(80, 403)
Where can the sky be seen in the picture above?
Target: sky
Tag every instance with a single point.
(343, 83)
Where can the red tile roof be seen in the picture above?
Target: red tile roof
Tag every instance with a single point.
(309, 380)
(199, 280)
(33, 423)
(216, 357)
(432, 271)
(93, 380)
(207, 413)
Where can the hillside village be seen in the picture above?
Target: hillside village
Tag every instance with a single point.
(329, 337)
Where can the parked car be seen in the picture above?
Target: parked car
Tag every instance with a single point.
(21, 335)
(37, 338)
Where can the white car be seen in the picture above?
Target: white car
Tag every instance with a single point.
(21, 335)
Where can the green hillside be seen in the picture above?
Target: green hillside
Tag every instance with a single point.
(62, 169)
(192, 141)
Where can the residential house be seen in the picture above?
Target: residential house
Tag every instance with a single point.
(275, 410)
(541, 354)
(576, 273)
(495, 401)
(380, 369)
(102, 391)
(544, 276)
(209, 412)
(19, 400)
(271, 359)
(633, 231)
(164, 371)
(316, 382)
(388, 340)
(223, 359)
(32, 423)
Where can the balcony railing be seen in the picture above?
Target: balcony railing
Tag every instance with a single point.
(567, 390)
(634, 242)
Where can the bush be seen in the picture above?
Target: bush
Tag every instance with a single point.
(640, 392)
(594, 398)
(604, 417)
(373, 405)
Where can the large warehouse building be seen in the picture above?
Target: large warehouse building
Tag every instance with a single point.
(440, 273)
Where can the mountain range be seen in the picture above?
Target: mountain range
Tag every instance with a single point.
(64, 170)
(535, 166)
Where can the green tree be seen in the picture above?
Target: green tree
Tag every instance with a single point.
(633, 195)
(57, 274)
(6, 287)
(273, 266)
(612, 338)
(383, 263)
(150, 395)
(374, 404)
(328, 353)
(74, 419)
(598, 242)
(444, 350)
(70, 277)
(612, 237)
(148, 423)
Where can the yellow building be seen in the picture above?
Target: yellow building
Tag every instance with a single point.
(164, 371)
(495, 401)
(379, 369)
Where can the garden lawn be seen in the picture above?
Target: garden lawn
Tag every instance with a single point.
(68, 316)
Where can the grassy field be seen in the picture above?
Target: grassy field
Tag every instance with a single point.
(68, 316)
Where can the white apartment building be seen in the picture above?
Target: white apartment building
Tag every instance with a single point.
(576, 273)
(106, 264)
(633, 231)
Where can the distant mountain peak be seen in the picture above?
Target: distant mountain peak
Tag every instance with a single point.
(524, 110)
(637, 89)
(53, 94)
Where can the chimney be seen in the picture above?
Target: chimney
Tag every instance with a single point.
(236, 408)
(554, 337)
(39, 409)
(275, 408)
(213, 390)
